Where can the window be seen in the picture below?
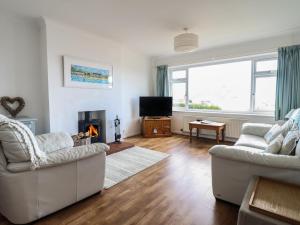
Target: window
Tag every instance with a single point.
(178, 88)
(236, 86)
(264, 84)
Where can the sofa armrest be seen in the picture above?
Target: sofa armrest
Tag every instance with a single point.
(54, 141)
(67, 155)
(255, 156)
(257, 129)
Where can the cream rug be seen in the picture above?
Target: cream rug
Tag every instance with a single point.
(124, 164)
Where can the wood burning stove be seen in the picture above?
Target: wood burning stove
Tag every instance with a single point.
(91, 126)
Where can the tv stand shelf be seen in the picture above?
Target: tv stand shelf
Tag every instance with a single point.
(156, 127)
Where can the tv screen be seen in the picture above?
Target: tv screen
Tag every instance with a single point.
(155, 106)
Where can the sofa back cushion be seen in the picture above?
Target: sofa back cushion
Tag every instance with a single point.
(54, 141)
(273, 133)
(13, 144)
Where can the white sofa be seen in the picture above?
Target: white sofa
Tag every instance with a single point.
(68, 175)
(234, 166)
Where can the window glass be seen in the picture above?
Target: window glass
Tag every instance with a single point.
(178, 93)
(225, 87)
(267, 65)
(265, 93)
(179, 74)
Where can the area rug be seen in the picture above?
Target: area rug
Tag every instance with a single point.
(124, 164)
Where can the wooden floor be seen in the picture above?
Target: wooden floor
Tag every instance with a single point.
(176, 191)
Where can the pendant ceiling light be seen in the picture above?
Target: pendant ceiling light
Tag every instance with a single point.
(186, 42)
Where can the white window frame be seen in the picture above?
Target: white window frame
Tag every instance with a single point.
(254, 75)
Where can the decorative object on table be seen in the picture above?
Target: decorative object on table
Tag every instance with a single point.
(86, 74)
(7, 103)
(82, 139)
(117, 130)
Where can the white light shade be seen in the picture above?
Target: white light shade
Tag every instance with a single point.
(186, 42)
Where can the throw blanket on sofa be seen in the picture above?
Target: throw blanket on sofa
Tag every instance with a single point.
(37, 157)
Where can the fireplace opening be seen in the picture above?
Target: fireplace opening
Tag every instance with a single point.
(92, 130)
(90, 124)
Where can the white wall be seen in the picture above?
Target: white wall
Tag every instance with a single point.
(256, 47)
(131, 78)
(20, 66)
(136, 81)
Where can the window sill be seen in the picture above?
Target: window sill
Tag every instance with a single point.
(237, 114)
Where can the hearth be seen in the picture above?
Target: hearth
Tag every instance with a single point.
(90, 123)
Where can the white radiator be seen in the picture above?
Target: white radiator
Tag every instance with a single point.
(233, 125)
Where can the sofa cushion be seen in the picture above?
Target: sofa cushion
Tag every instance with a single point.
(19, 143)
(286, 127)
(273, 133)
(3, 161)
(290, 142)
(275, 146)
(13, 144)
(252, 141)
(54, 141)
(296, 116)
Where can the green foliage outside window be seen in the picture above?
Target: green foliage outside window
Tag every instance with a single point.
(198, 106)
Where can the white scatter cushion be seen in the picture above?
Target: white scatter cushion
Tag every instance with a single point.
(13, 144)
(273, 133)
(275, 146)
(286, 127)
(289, 142)
(54, 141)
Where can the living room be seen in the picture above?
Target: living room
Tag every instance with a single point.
(148, 112)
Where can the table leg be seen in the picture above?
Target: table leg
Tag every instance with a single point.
(191, 134)
(218, 136)
(197, 132)
(223, 134)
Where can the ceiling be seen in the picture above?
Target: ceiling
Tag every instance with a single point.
(150, 25)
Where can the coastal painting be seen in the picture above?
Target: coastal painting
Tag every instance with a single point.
(86, 74)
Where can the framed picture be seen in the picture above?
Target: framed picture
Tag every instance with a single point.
(86, 74)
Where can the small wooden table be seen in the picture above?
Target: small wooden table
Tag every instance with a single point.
(218, 127)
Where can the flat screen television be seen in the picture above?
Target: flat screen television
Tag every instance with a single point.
(156, 106)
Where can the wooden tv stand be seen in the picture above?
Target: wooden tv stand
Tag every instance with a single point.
(156, 127)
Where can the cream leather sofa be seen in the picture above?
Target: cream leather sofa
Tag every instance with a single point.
(234, 166)
(70, 175)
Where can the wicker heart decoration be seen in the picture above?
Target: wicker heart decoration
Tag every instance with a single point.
(7, 103)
